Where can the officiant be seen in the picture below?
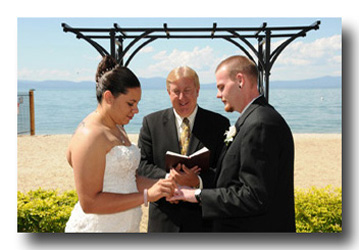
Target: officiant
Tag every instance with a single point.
(183, 128)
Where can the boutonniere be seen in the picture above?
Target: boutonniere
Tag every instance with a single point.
(230, 134)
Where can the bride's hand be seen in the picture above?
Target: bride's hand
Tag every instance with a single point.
(162, 188)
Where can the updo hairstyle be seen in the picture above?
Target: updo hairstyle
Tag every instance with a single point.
(111, 76)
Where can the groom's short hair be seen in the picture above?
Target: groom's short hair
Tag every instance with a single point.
(182, 72)
(239, 64)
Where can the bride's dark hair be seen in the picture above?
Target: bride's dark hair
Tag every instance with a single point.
(111, 76)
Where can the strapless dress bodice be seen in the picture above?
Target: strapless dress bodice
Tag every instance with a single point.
(119, 177)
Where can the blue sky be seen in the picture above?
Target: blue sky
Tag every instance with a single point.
(45, 52)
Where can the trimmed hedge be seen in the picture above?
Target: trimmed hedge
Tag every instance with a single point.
(316, 210)
(44, 210)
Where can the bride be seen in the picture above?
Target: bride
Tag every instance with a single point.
(104, 161)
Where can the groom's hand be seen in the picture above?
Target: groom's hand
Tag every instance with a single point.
(187, 177)
(184, 194)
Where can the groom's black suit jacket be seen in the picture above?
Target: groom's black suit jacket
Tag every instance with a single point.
(159, 135)
(254, 184)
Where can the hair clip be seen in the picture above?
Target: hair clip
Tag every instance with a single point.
(102, 73)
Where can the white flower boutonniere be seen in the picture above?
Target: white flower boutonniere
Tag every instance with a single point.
(230, 134)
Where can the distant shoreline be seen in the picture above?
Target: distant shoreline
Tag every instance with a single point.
(159, 83)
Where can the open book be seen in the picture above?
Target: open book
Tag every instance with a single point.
(199, 158)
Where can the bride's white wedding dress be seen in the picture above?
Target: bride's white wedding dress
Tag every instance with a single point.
(121, 165)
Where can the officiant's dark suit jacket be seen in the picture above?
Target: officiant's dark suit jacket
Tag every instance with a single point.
(159, 135)
(255, 180)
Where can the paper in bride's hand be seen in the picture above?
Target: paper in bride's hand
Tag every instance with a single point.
(199, 158)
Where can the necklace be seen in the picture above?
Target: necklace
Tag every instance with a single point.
(122, 138)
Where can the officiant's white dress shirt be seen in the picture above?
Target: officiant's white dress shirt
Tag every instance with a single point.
(179, 121)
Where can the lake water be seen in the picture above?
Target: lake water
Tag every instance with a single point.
(59, 111)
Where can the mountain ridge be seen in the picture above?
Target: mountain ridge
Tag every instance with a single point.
(159, 83)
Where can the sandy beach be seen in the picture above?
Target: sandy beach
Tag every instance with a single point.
(42, 162)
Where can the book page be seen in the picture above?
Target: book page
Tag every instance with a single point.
(202, 150)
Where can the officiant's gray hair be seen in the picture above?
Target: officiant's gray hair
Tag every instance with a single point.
(182, 72)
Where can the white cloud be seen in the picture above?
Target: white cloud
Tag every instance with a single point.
(42, 74)
(321, 51)
(336, 59)
(146, 49)
(202, 59)
(160, 55)
(51, 74)
(301, 60)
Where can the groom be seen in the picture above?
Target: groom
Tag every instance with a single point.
(161, 132)
(254, 184)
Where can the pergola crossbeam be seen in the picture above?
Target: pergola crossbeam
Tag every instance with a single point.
(265, 59)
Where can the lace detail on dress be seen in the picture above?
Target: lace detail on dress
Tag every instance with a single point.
(119, 177)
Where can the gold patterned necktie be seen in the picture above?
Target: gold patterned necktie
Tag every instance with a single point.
(185, 136)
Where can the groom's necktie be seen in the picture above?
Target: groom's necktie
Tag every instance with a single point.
(185, 136)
